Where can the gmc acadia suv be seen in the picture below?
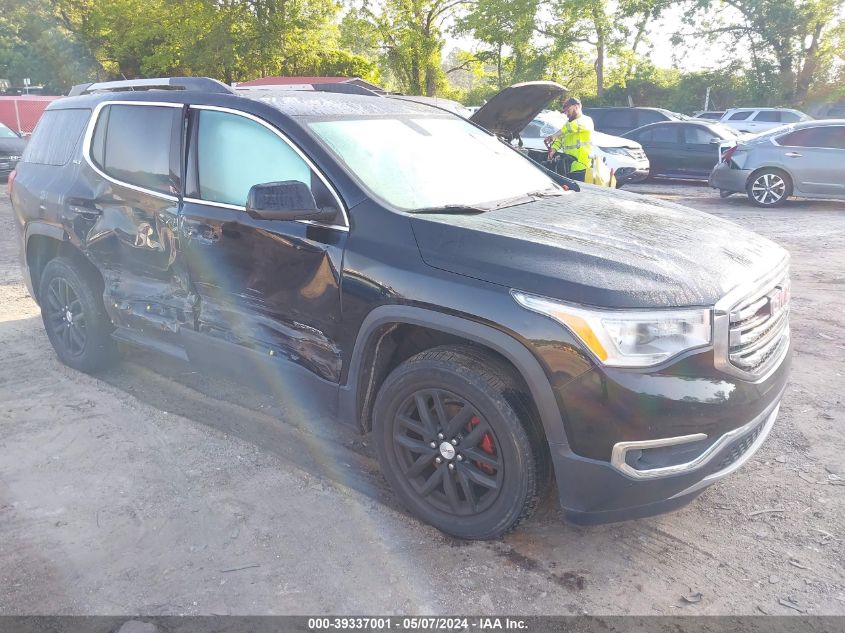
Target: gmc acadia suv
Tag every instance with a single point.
(403, 270)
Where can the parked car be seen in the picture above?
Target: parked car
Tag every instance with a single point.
(11, 148)
(830, 111)
(624, 156)
(392, 266)
(618, 121)
(806, 159)
(713, 115)
(683, 149)
(454, 107)
(756, 120)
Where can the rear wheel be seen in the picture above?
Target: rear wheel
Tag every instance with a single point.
(74, 316)
(769, 188)
(458, 449)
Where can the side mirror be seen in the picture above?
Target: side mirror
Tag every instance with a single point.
(286, 200)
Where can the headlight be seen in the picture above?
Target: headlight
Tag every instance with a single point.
(616, 150)
(627, 338)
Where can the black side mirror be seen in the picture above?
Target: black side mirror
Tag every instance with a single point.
(286, 200)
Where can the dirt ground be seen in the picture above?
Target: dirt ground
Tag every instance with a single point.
(155, 490)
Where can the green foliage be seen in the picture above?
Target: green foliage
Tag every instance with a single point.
(34, 44)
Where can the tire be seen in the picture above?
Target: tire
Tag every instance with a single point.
(768, 188)
(74, 316)
(491, 477)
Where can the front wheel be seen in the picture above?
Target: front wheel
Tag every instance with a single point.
(459, 449)
(769, 188)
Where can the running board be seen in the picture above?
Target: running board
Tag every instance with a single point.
(136, 339)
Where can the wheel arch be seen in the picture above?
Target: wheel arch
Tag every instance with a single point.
(44, 242)
(772, 167)
(369, 364)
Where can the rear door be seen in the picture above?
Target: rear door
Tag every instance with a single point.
(740, 120)
(127, 219)
(815, 157)
(765, 120)
(269, 297)
(661, 143)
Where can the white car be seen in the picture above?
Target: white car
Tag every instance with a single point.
(756, 120)
(624, 156)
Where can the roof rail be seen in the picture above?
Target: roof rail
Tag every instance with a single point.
(342, 88)
(192, 84)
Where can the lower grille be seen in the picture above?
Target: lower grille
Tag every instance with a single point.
(740, 447)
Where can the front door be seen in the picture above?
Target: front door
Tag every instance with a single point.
(269, 296)
(701, 153)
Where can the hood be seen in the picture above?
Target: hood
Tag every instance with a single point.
(607, 140)
(510, 110)
(612, 250)
(12, 146)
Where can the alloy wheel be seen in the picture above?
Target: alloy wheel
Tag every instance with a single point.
(768, 189)
(448, 452)
(65, 316)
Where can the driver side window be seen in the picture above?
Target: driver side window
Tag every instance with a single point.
(234, 153)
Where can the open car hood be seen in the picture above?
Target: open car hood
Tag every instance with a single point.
(510, 110)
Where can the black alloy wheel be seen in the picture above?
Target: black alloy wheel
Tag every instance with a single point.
(458, 442)
(447, 452)
(64, 316)
(71, 298)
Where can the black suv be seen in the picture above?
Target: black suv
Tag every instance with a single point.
(618, 121)
(403, 270)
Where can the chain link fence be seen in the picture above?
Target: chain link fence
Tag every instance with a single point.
(22, 113)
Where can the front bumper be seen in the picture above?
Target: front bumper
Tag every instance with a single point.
(593, 491)
(725, 178)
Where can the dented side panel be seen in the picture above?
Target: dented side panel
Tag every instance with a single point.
(269, 286)
(131, 236)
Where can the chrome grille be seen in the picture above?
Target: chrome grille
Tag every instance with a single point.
(758, 330)
(636, 154)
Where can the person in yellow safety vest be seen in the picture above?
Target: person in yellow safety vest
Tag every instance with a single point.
(574, 140)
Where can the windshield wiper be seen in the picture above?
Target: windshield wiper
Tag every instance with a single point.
(551, 192)
(454, 209)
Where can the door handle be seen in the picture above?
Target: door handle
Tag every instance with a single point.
(793, 155)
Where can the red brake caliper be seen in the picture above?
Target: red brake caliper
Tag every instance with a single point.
(486, 445)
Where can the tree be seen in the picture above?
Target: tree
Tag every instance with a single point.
(34, 44)
(505, 29)
(410, 40)
(800, 37)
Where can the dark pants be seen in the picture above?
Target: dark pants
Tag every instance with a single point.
(577, 175)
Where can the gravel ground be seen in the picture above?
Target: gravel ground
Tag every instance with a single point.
(154, 490)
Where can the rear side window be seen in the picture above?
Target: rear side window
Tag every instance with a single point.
(621, 119)
(768, 116)
(827, 136)
(789, 117)
(137, 144)
(56, 137)
(649, 116)
(739, 116)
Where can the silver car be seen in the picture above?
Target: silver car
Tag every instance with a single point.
(806, 159)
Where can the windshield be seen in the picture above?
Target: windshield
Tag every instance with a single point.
(422, 162)
(6, 132)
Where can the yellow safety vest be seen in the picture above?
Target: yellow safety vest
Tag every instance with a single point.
(576, 141)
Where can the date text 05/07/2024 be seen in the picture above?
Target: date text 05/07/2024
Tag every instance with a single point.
(417, 624)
